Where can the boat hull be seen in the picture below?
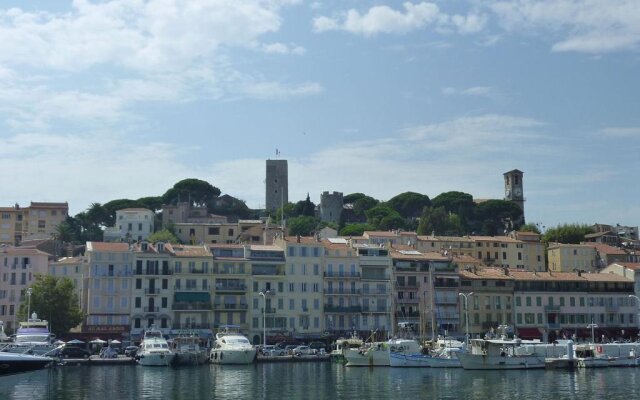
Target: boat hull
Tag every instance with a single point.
(156, 359)
(191, 358)
(19, 363)
(232, 356)
(366, 358)
(479, 361)
(422, 361)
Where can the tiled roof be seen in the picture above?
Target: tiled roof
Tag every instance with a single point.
(504, 239)
(485, 273)
(605, 248)
(629, 265)
(107, 246)
(190, 251)
(22, 251)
(380, 234)
(303, 240)
(48, 205)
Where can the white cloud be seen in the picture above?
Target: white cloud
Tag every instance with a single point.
(481, 91)
(590, 26)
(623, 133)
(281, 48)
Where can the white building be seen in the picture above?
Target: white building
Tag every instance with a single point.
(131, 224)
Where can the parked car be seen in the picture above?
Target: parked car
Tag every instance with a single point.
(271, 350)
(108, 352)
(303, 351)
(318, 345)
(289, 348)
(74, 352)
(130, 351)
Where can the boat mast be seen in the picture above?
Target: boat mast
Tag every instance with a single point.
(431, 288)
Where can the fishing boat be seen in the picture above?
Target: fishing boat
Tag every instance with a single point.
(188, 350)
(378, 353)
(439, 358)
(232, 347)
(501, 353)
(154, 349)
(352, 342)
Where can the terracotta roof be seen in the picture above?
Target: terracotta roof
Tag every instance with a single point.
(526, 233)
(629, 265)
(486, 273)
(225, 246)
(107, 246)
(605, 248)
(495, 239)
(19, 251)
(611, 277)
(260, 247)
(190, 251)
(303, 240)
(380, 234)
(48, 205)
(430, 238)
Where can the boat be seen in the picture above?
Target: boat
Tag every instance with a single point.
(593, 356)
(15, 363)
(502, 353)
(352, 342)
(154, 349)
(33, 337)
(3, 336)
(378, 353)
(439, 358)
(231, 347)
(188, 350)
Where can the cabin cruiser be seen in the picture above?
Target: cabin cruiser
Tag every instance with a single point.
(33, 337)
(341, 344)
(231, 347)
(378, 353)
(188, 350)
(14, 363)
(500, 353)
(154, 349)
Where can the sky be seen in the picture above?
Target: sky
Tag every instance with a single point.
(101, 100)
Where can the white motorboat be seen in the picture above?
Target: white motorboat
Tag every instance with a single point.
(231, 347)
(378, 353)
(14, 363)
(501, 353)
(154, 349)
(352, 342)
(440, 358)
(594, 356)
(189, 351)
(33, 337)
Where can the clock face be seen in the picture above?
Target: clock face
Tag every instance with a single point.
(517, 192)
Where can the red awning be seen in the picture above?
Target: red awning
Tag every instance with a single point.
(529, 333)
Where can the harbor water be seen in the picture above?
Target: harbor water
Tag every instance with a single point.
(321, 380)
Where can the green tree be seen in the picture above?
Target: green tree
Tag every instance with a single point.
(196, 191)
(409, 204)
(453, 201)
(153, 203)
(54, 299)
(356, 229)
(303, 225)
(363, 204)
(382, 216)
(530, 227)
(352, 198)
(567, 233)
(164, 235)
(305, 208)
(434, 220)
(495, 216)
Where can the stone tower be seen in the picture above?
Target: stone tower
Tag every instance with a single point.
(513, 189)
(277, 184)
(331, 206)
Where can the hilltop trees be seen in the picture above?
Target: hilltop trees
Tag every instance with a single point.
(567, 233)
(196, 191)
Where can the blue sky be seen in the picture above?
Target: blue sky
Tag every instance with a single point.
(120, 99)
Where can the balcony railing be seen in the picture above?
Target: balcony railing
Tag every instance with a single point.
(343, 274)
(342, 309)
(191, 305)
(191, 289)
(191, 326)
(552, 308)
(408, 301)
(151, 309)
(151, 291)
(231, 306)
(342, 291)
(231, 288)
(270, 310)
(375, 309)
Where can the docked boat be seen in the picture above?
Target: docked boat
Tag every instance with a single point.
(503, 353)
(378, 353)
(593, 356)
(231, 347)
(341, 344)
(14, 363)
(189, 351)
(154, 349)
(439, 358)
(33, 337)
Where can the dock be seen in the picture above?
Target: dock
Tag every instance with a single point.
(97, 360)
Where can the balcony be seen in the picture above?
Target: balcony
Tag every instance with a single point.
(375, 292)
(554, 309)
(401, 315)
(191, 305)
(375, 310)
(230, 306)
(342, 291)
(612, 308)
(446, 300)
(231, 288)
(342, 309)
(191, 326)
(408, 301)
(375, 277)
(151, 309)
(343, 274)
(151, 291)
(269, 310)
(190, 289)
(223, 271)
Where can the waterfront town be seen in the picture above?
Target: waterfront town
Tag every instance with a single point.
(254, 275)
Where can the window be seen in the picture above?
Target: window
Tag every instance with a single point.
(292, 304)
(41, 224)
(214, 231)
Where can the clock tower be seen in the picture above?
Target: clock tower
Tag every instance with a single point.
(513, 188)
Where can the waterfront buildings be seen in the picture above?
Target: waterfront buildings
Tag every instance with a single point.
(132, 224)
(570, 257)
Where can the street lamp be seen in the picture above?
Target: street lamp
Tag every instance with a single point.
(264, 318)
(466, 311)
(29, 291)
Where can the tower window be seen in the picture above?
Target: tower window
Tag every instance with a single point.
(515, 180)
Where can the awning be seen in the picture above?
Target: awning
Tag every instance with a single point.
(529, 333)
(192, 297)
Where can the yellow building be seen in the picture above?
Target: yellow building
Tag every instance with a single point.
(38, 221)
(569, 257)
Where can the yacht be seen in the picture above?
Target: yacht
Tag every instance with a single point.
(500, 353)
(33, 337)
(378, 353)
(14, 363)
(341, 344)
(154, 349)
(231, 347)
(188, 350)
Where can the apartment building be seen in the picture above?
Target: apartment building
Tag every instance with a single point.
(377, 289)
(77, 270)
(38, 221)
(18, 268)
(108, 295)
(232, 283)
(569, 257)
(132, 224)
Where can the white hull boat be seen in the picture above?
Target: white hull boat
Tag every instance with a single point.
(377, 354)
(231, 347)
(154, 350)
